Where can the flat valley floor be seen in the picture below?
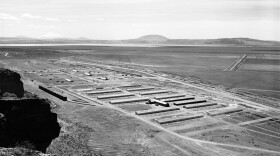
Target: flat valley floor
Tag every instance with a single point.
(213, 110)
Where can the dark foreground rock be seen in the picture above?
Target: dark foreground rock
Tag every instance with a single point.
(28, 122)
(19, 151)
(10, 82)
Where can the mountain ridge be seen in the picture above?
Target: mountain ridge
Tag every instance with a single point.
(147, 39)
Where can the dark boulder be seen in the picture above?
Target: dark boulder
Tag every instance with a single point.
(10, 82)
(27, 120)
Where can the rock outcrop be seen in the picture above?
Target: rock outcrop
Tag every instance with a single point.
(10, 82)
(19, 151)
(27, 121)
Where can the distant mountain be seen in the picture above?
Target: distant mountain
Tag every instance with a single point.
(148, 39)
(158, 39)
(153, 38)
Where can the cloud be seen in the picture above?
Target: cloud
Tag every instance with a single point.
(100, 19)
(8, 18)
(30, 16)
(26, 15)
(52, 35)
(52, 19)
(45, 26)
(71, 20)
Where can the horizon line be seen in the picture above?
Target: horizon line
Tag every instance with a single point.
(88, 38)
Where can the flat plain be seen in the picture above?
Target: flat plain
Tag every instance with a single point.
(260, 71)
(243, 121)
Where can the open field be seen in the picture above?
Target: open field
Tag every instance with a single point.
(257, 67)
(271, 93)
(262, 63)
(206, 63)
(102, 112)
(245, 138)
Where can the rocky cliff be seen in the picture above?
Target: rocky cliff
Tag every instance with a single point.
(10, 82)
(27, 122)
(19, 151)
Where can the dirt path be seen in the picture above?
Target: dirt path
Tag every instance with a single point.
(236, 63)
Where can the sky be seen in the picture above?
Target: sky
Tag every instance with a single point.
(126, 19)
